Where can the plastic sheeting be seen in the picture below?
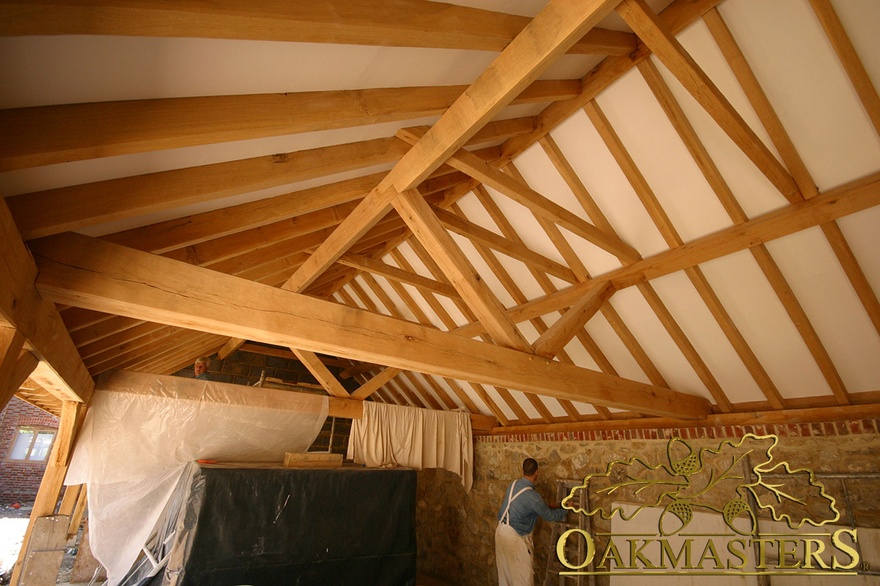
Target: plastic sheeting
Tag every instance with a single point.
(391, 435)
(138, 438)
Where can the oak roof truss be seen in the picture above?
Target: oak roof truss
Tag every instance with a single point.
(591, 211)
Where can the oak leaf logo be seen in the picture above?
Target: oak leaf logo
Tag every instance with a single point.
(726, 480)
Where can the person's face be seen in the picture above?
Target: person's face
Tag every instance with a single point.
(200, 368)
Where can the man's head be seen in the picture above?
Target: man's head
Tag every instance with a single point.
(530, 467)
(201, 365)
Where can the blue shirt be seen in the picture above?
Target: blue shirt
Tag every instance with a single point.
(527, 507)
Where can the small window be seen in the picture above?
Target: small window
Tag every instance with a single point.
(32, 444)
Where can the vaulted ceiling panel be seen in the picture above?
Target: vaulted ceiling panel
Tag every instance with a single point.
(832, 305)
(654, 338)
(615, 350)
(766, 326)
(604, 180)
(54, 70)
(697, 322)
(662, 159)
(808, 88)
(753, 190)
(864, 239)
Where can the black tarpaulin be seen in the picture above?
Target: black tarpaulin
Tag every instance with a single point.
(316, 527)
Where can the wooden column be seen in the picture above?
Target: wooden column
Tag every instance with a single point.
(50, 488)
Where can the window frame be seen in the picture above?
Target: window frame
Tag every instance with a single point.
(37, 430)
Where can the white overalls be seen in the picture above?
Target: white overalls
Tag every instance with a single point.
(513, 552)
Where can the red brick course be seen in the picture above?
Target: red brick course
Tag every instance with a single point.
(837, 428)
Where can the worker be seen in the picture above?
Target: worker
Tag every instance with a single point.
(201, 368)
(520, 509)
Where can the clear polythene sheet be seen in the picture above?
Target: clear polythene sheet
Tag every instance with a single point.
(141, 432)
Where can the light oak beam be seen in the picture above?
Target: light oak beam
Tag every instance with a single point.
(785, 146)
(16, 364)
(49, 492)
(241, 244)
(608, 310)
(443, 315)
(673, 240)
(61, 370)
(323, 375)
(354, 369)
(449, 324)
(110, 326)
(172, 234)
(800, 173)
(90, 273)
(47, 135)
(173, 342)
(229, 347)
(377, 267)
(666, 47)
(722, 190)
(510, 285)
(20, 372)
(375, 383)
(780, 417)
(836, 203)
(528, 197)
(179, 353)
(676, 17)
(49, 212)
(11, 345)
(418, 215)
(849, 59)
(420, 316)
(516, 250)
(400, 23)
(551, 342)
(141, 333)
(550, 34)
(367, 214)
(572, 260)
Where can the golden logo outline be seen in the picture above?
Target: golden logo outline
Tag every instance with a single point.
(680, 472)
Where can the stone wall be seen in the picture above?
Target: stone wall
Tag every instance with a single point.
(456, 530)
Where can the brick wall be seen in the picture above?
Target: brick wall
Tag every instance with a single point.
(19, 481)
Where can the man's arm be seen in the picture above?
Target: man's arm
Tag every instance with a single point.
(545, 512)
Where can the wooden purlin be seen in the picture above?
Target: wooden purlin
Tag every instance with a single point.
(113, 284)
(360, 22)
(836, 203)
(72, 132)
